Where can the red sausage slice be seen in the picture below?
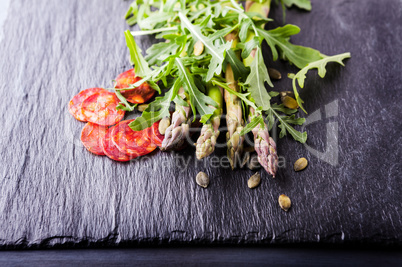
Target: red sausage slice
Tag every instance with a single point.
(110, 149)
(156, 136)
(133, 143)
(138, 95)
(91, 137)
(74, 106)
(100, 108)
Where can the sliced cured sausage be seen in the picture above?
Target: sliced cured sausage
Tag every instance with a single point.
(91, 137)
(138, 95)
(75, 104)
(156, 136)
(133, 143)
(110, 149)
(100, 108)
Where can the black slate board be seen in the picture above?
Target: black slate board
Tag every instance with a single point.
(55, 193)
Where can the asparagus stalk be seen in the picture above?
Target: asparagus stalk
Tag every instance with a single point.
(210, 131)
(179, 129)
(234, 118)
(265, 147)
(264, 144)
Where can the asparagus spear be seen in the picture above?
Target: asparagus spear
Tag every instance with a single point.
(178, 131)
(234, 118)
(210, 131)
(264, 144)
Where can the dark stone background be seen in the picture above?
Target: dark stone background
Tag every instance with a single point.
(55, 193)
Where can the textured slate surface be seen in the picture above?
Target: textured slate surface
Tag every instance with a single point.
(54, 192)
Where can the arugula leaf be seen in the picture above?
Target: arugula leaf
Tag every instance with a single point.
(242, 96)
(123, 100)
(249, 46)
(221, 33)
(157, 110)
(283, 109)
(218, 53)
(198, 100)
(293, 120)
(150, 22)
(239, 70)
(285, 127)
(256, 81)
(303, 4)
(141, 67)
(320, 65)
(295, 54)
(160, 51)
(167, 29)
(252, 124)
(244, 30)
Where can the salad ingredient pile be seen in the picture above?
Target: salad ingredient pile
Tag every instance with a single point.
(211, 53)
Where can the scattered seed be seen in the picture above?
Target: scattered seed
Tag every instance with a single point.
(253, 163)
(202, 179)
(300, 164)
(164, 124)
(274, 74)
(198, 48)
(254, 180)
(142, 107)
(288, 100)
(284, 202)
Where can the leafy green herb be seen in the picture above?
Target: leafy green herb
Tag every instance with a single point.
(252, 124)
(218, 53)
(295, 54)
(198, 100)
(239, 70)
(140, 65)
(303, 4)
(157, 110)
(256, 81)
(320, 65)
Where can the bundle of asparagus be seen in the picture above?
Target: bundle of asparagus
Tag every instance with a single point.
(212, 51)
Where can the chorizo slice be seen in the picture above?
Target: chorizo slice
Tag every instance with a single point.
(91, 136)
(138, 95)
(133, 143)
(110, 149)
(75, 104)
(156, 136)
(100, 108)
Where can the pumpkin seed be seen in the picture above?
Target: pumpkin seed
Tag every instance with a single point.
(274, 74)
(300, 164)
(198, 48)
(202, 179)
(288, 100)
(284, 202)
(142, 107)
(254, 180)
(164, 124)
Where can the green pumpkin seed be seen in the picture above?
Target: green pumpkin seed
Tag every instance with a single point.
(300, 164)
(274, 74)
(254, 180)
(284, 202)
(202, 179)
